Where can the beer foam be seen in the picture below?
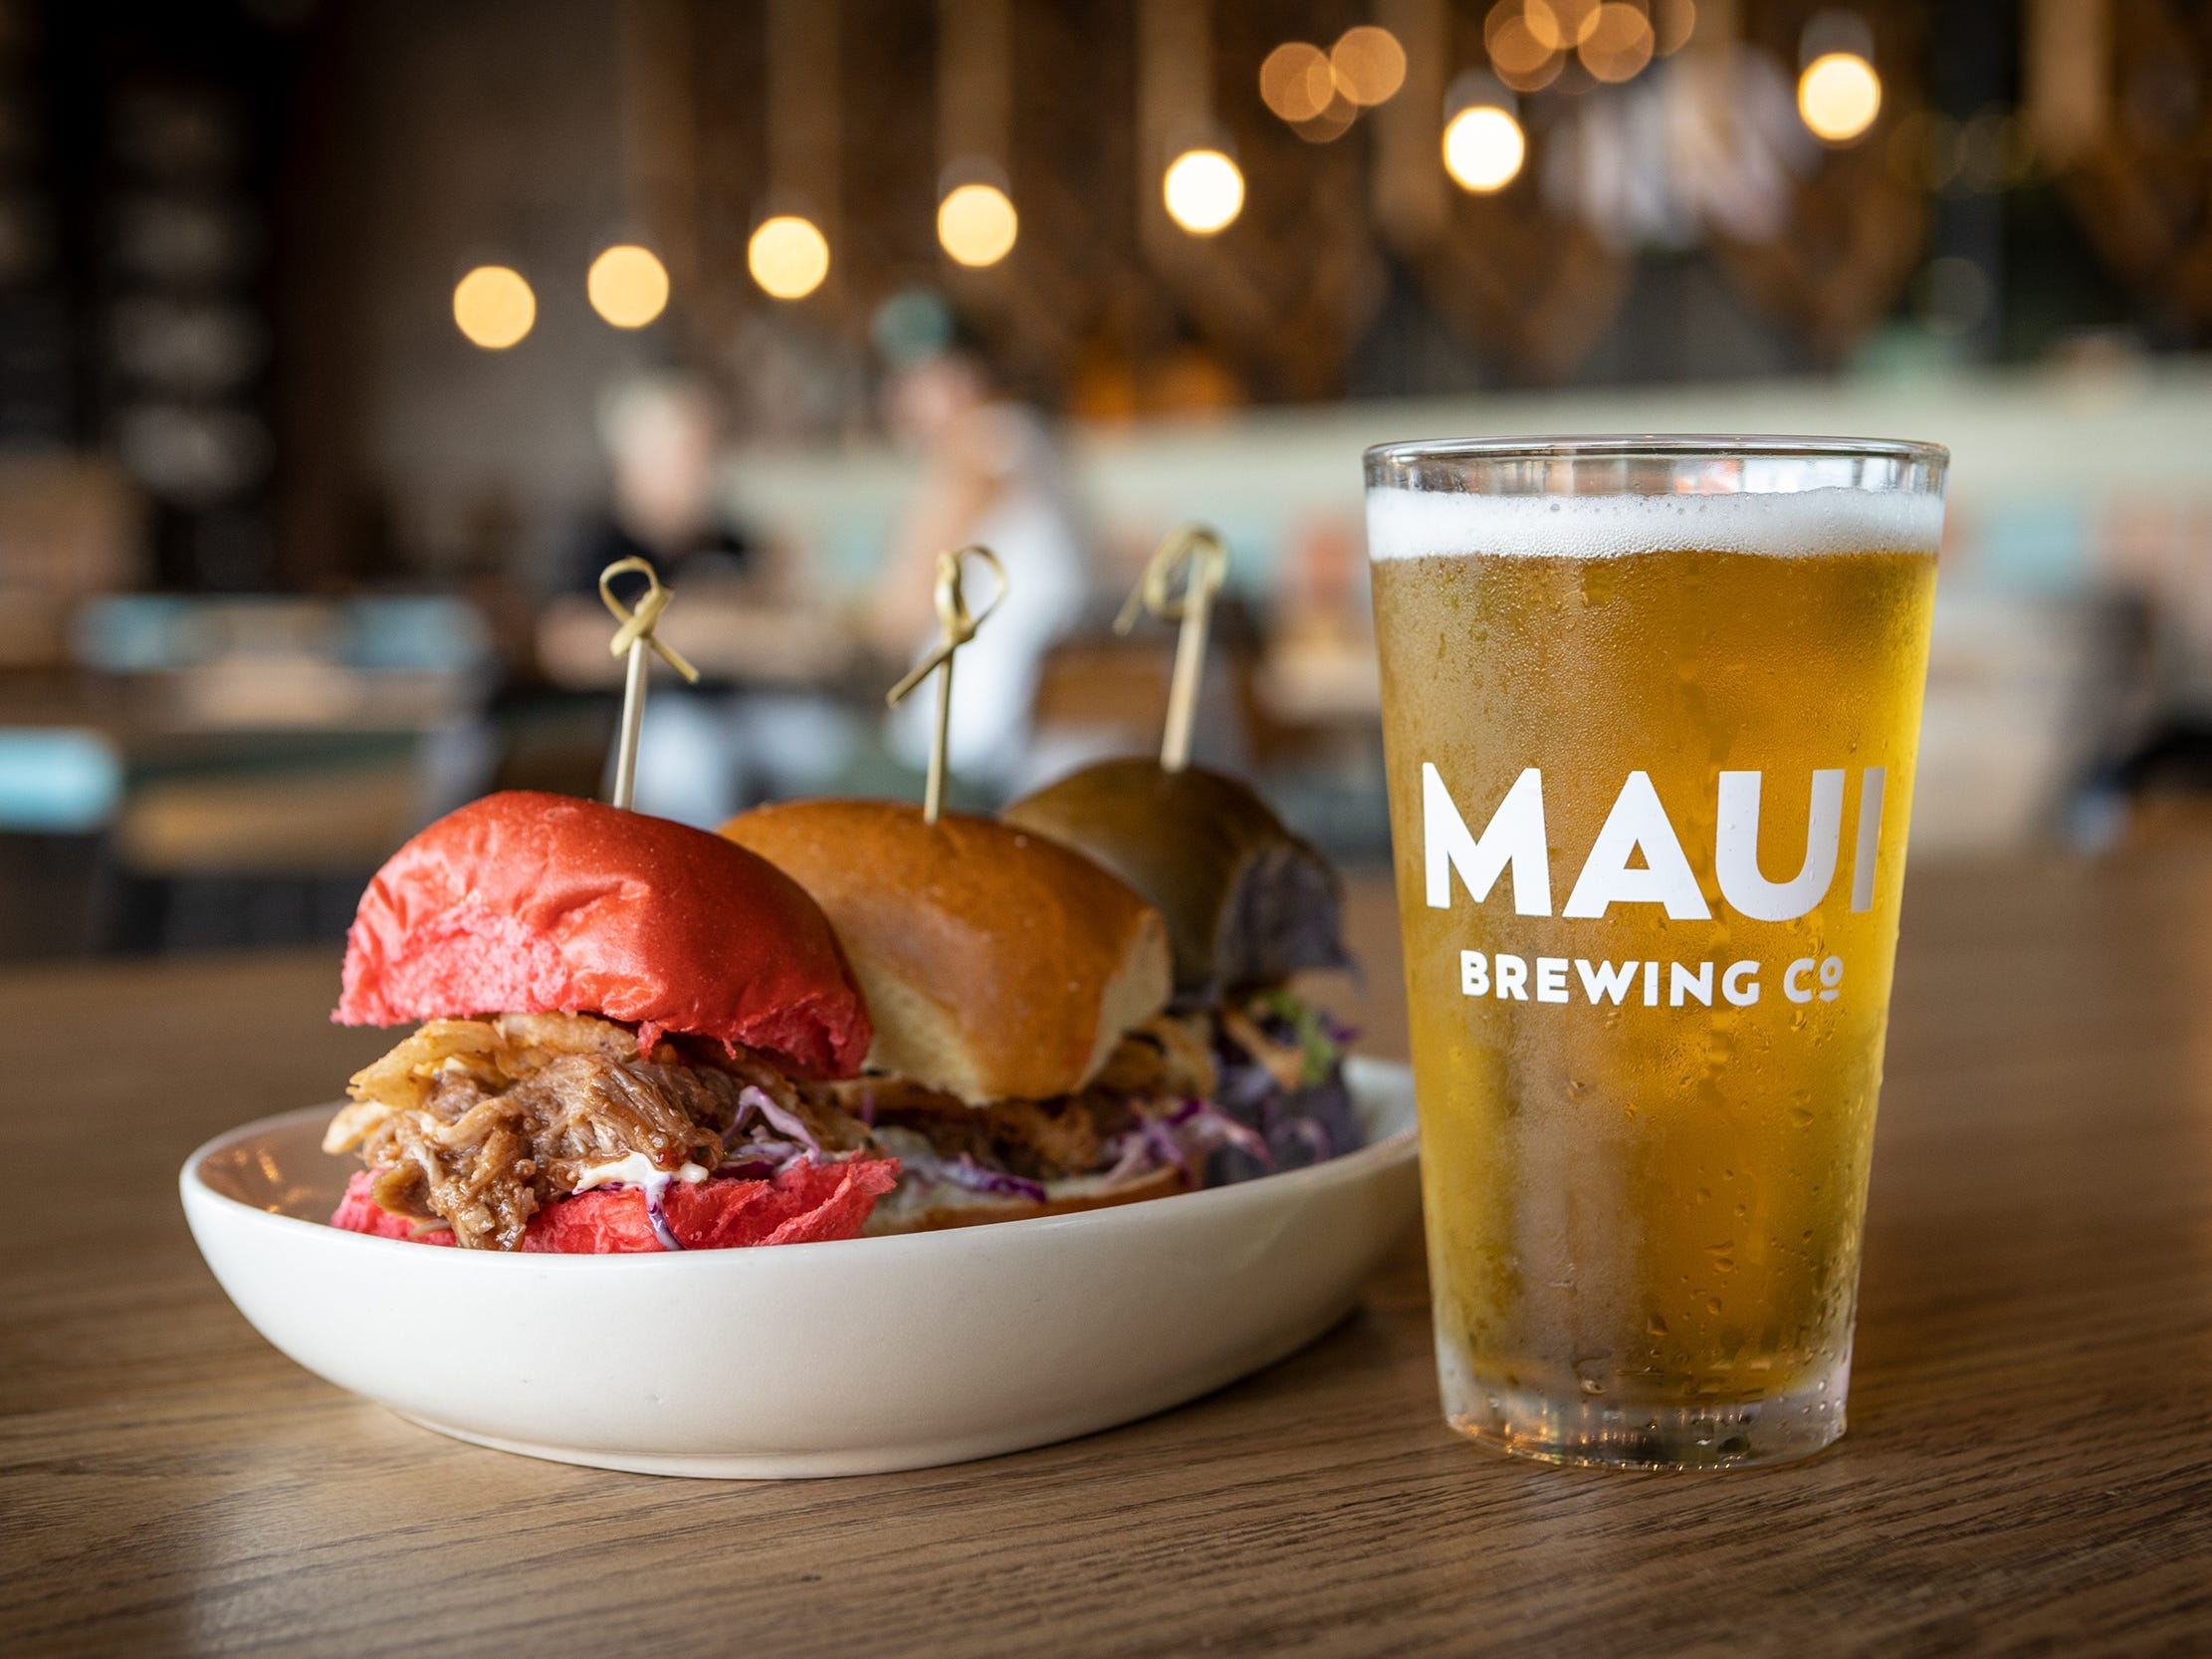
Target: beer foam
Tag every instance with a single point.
(1417, 524)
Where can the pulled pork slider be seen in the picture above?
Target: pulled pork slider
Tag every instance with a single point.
(1020, 1067)
(619, 1014)
(1248, 905)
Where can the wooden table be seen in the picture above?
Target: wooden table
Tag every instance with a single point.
(2029, 1467)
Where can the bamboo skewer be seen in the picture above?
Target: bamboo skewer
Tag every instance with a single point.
(633, 638)
(1201, 548)
(960, 627)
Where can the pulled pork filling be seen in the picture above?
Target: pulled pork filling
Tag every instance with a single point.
(1223, 1092)
(1153, 1069)
(477, 1124)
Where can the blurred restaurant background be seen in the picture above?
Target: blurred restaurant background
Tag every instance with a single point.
(343, 342)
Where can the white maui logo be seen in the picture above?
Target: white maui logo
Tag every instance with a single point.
(1638, 827)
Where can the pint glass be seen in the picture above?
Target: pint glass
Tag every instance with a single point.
(1649, 707)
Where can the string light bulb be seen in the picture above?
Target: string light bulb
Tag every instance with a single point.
(1368, 65)
(1559, 25)
(1839, 96)
(627, 286)
(1483, 148)
(1204, 192)
(1296, 81)
(1528, 44)
(1614, 41)
(977, 225)
(494, 307)
(788, 256)
(1672, 24)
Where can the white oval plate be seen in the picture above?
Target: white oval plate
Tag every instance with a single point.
(845, 1359)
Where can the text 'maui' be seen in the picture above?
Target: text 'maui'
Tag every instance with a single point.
(1638, 858)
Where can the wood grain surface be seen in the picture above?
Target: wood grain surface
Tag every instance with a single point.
(2029, 1468)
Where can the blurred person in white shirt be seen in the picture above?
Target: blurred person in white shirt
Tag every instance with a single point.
(991, 474)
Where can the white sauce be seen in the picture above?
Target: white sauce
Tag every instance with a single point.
(637, 1170)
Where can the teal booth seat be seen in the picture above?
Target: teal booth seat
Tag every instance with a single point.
(149, 633)
(57, 780)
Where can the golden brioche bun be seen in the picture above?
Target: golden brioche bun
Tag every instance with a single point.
(996, 964)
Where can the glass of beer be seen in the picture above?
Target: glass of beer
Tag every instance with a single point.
(1649, 709)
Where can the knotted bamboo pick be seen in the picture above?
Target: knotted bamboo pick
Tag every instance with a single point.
(960, 627)
(1201, 548)
(633, 636)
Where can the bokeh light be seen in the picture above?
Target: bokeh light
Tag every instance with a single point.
(976, 224)
(1331, 124)
(627, 285)
(1295, 80)
(1368, 65)
(787, 256)
(1560, 25)
(1483, 148)
(1839, 95)
(1204, 192)
(1614, 41)
(1672, 24)
(494, 307)
(1520, 56)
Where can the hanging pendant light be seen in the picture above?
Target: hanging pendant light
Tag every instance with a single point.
(788, 253)
(976, 224)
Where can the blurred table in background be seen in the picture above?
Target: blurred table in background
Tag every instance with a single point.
(228, 770)
(158, 663)
(2029, 1467)
(257, 734)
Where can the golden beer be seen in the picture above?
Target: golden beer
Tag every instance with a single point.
(1649, 765)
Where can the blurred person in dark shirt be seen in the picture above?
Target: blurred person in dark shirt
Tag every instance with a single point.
(662, 437)
(706, 753)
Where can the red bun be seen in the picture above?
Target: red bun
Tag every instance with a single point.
(806, 1203)
(528, 903)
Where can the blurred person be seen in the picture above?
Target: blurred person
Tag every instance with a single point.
(991, 474)
(702, 755)
(662, 437)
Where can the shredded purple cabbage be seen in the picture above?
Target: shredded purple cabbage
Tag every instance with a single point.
(788, 1124)
(765, 1158)
(1207, 1128)
(655, 1191)
(1186, 1135)
(1297, 1126)
(752, 1169)
(1132, 1152)
(964, 1171)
